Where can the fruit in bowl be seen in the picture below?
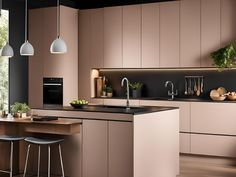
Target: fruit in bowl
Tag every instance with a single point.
(78, 103)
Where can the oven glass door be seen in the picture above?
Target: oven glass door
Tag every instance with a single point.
(52, 93)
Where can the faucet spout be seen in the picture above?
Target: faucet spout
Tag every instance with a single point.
(171, 93)
(127, 91)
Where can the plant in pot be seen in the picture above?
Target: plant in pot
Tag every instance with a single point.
(136, 88)
(109, 91)
(19, 109)
(224, 57)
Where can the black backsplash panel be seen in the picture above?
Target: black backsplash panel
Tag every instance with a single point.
(154, 80)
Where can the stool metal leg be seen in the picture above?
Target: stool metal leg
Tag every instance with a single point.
(11, 160)
(39, 160)
(62, 167)
(26, 161)
(49, 154)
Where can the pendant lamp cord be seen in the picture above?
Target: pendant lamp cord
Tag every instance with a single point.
(26, 19)
(58, 18)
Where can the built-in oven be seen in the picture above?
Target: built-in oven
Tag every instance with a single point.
(52, 92)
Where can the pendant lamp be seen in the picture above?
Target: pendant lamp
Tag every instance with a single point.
(58, 46)
(26, 49)
(7, 50)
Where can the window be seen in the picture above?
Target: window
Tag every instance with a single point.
(4, 103)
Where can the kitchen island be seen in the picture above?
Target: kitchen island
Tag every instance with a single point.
(117, 142)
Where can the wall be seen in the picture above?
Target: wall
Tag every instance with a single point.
(18, 65)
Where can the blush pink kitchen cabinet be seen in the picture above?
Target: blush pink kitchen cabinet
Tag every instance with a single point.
(150, 36)
(42, 32)
(132, 36)
(190, 33)
(107, 149)
(113, 37)
(95, 141)
(84, 55)
(169, 34)
(213, 129)
(210, 29)
(96, 44)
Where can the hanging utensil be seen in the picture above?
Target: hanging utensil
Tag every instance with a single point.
(198, 87)
(186, 87)
(195, 85)
(189, 87)
(202, 85)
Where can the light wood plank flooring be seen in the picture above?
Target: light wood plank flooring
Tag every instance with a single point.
(203, 166)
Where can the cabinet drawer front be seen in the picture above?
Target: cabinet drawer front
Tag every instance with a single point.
(213, 145)
(184, 142)
(184, 113)
(215, 118)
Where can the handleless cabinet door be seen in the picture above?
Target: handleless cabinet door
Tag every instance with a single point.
(120, 149)
(150, 35)
(113, 37)
(84, 54)
(213, 118)
(96, 58)
(169, 34)
(132, 36)
(95, 148)
(210, 30)
(190, 33)
(228, 24)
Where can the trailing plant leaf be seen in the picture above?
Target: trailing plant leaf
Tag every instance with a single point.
(224, 57)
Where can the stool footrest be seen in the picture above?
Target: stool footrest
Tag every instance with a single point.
(4, 171)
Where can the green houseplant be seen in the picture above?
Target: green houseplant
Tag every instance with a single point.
(224, 57)
(19, 109)
(136, 88)
(109, 91)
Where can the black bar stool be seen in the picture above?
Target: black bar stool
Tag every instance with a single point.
(40, 142)
(11, 139)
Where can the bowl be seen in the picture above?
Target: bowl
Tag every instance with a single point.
(218, 98)
(221, 90)
(231, 97)
(78, 105)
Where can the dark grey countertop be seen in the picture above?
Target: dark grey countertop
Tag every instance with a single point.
(112, 109)
(187, 99)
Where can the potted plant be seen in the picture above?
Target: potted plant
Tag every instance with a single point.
(224, 57)
(109, 91)
(19, 109)
(136, 89)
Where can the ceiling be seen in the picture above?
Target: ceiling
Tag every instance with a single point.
(86, 4)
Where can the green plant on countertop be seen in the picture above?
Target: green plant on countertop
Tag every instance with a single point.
(19, 108)
(224, 57)
(136, 85)
(109, 89)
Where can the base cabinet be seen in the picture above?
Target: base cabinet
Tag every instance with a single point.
(107, 149)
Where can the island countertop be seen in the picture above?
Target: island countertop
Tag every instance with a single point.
(105, 112)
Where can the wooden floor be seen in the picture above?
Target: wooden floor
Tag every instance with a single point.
(202, 166)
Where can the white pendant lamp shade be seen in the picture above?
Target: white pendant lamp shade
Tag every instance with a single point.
(58, 46)
(27, 49)
(7, 51)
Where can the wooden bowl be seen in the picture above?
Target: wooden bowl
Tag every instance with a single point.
(221, 90)
(231, 97)
(218, 98)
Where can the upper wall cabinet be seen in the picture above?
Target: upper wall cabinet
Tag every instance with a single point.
(132, 36)
(210, 30)
(190, 33)
(42, 31)
(169, 34)
(150, 36)
(97, 38)
(113, 37)
(84, 54)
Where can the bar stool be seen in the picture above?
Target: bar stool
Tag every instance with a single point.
(11, 139)
(40, 142)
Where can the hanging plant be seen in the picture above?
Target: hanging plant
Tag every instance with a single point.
(224, 57)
